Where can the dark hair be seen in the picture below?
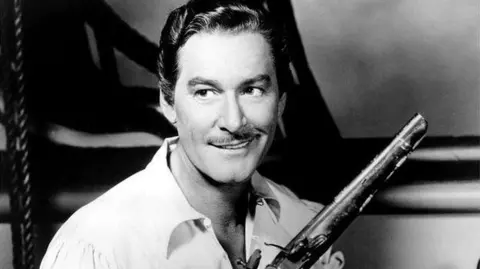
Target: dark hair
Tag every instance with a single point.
(209, 16)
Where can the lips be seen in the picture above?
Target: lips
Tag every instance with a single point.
(233, 145)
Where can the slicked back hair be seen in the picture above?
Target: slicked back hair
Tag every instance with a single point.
(208, 16)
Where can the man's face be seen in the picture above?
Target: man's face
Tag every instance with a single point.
(226, 103)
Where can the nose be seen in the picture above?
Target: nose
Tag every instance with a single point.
(232, 118)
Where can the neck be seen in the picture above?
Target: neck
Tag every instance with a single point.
(225, 204)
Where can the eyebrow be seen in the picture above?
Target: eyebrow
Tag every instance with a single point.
(263, 78)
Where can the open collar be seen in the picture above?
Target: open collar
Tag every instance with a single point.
(171, 204)
(174, 205)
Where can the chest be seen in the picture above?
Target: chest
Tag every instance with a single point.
(204, 248)
(233, 243)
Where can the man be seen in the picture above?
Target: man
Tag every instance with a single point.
(200, 202)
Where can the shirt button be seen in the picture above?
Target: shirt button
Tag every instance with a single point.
(260, 202)
(207, 223)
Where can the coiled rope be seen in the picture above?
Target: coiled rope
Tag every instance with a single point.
(18, 150)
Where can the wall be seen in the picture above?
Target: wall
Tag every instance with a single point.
(412, 241)
(395, 57)
(377, 62)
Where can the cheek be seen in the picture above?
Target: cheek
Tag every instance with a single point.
(264, 115)
(192, 121)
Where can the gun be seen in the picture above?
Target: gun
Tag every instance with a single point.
(321, 232)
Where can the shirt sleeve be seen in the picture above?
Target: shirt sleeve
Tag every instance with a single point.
(76, 254)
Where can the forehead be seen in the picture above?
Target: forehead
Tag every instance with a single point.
(225, 56)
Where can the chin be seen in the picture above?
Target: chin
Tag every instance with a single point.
(233, 177)
(231, 173)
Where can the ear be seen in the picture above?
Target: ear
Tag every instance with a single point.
(167, 109)
(281, 105)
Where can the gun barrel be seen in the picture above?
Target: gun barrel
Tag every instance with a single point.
(320, 233)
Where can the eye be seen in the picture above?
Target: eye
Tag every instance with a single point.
(204, 93)
(254, 91)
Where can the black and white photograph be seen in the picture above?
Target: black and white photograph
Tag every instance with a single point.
(240, 134)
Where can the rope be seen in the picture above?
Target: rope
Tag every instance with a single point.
(17, 148)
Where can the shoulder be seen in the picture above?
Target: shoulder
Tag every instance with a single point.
(285, 194)
(83, 241)
(104, 224)
(76, 253)
(295, 212)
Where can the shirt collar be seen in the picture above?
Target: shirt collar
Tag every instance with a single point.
(261, 189)
(172, 204)
(175, 206)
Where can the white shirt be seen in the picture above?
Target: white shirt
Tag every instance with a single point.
(145, 222)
